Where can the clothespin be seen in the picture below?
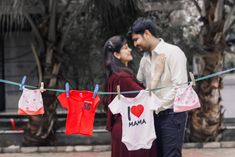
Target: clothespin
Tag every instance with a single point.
(150, 92)
(118, 91)
(42, 87)
(95, 91)
(67, 89)
(22, 82)
(192, 79)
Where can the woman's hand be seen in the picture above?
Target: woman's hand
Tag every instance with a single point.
(158, 68)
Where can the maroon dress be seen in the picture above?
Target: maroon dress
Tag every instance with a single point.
(127, 82)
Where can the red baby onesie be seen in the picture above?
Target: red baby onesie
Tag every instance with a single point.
(81, 111)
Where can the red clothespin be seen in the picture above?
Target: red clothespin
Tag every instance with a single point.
(95, 91)
(118, 91)
(193, 81)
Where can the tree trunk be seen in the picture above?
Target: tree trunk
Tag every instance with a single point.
(41, 129)
(50, 36)
(206, 123)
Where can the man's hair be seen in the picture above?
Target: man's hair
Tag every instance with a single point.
(142, 24)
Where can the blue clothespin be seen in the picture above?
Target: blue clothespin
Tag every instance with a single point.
(95, 91)
(67, 89)
(22, 82)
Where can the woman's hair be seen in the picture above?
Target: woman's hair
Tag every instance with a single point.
(112, 64)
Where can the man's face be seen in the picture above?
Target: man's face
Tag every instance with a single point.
(140, 42)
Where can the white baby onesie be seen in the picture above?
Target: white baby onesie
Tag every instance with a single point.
(30, 102)
(137, 119)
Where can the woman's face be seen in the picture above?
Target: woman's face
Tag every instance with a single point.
(125, 54)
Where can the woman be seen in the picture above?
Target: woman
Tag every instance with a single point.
(117, 56)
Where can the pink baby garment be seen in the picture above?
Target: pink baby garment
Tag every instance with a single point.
(186, 99)
(30, 102)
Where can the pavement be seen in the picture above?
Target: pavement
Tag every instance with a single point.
(212, 152)
(215, 152)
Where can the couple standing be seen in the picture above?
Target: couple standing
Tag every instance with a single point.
(162, 65)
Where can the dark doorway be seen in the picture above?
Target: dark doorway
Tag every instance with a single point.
(2, 85)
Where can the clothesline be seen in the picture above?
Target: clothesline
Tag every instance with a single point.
(125, 92)
(86, 106)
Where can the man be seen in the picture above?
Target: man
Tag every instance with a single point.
(169, 126)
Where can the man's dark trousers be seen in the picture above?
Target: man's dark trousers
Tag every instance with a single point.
(170, 128)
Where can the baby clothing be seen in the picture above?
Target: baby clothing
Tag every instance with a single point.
(30, 102)
(81, 111)
(137, 119)
(186, 99)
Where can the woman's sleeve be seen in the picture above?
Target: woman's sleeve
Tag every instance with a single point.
(112, 83)
(129, 83)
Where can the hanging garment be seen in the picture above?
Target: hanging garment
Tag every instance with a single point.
(137, 119)
(186, 99)
(30, 102)
(81, 111)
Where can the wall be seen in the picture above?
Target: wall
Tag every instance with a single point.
(19, 61)
(2, 97)
(228, 93)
